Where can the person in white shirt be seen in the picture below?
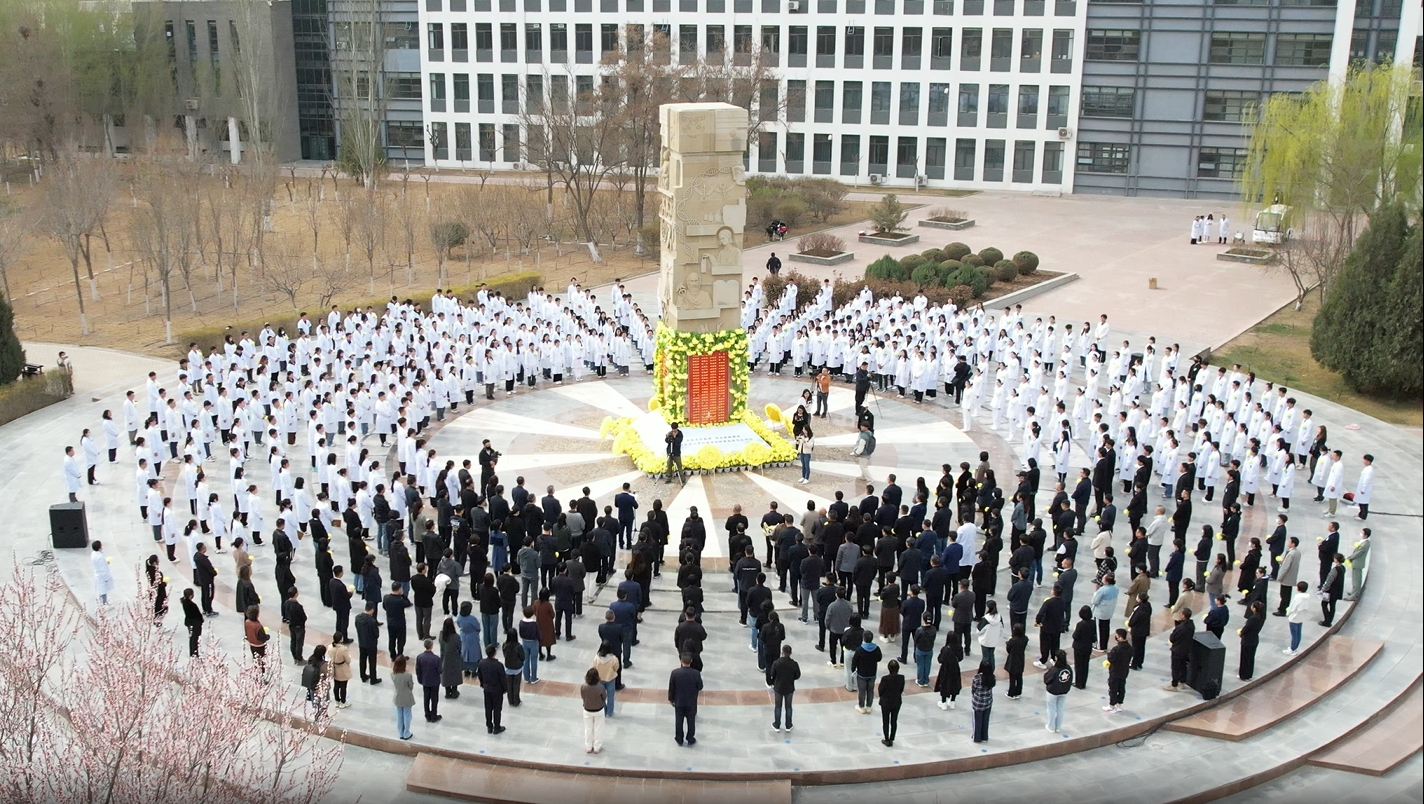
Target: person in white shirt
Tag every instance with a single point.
(1364, 486)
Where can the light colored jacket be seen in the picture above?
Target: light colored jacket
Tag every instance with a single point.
(992, 634)
(1287, 573)
(1157, 530)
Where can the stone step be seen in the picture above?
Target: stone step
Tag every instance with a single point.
(1299, 687)
(500, 784)
(1382, 745)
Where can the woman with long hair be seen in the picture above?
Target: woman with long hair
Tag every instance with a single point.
(982, 699)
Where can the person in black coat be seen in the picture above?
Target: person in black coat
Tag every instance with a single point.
(490, 672)
(1015, 650)
(1085, 636)
(296, 618)
(1182, 633)
(192, 620)
(1082, 494)
(324, 565)
(1251, 638)
(1246, 570)
(1182, 516)
(204, 576)
(422, 596)
(783, 675)
(282, 554)
(1139, 628)
(1119, 661)
(684, 687)
(1332, 589)
(368, 639)
(862, 577)
(395, 605)
(340, 600)
(892, 694)
(1052, 614)
(1326, 548)
(1217, 617)
(1103, 472)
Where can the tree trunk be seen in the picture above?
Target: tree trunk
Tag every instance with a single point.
(79, 292)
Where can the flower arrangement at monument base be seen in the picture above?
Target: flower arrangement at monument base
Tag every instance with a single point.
(770, 450)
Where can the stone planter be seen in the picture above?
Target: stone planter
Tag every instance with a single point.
(1253, 256)
(955, 225)
(884, 239)
(834, 259)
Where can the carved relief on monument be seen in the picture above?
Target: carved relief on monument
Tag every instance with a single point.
(703, 211)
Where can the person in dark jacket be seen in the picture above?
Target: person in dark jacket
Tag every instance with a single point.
(1182, 632)
(892, 694)
(395, 605)
(428, 676)
(340, 600)
(203, 577)
(1332, 589)
(864, 665)
(684, 687)
(783, 675)
(296, 618)
(862, 577)
(689, 637)
(773, 633)
(1057, 681)
(1118, 662)
(1217, 617)
(422, 592)
(1139, 629)
(193, 620)
(368, 640)
(491, 674)
(1085, 636)
(1176, 563)
(1015, 650)
(947, 681)
(1250, 639)
(1052, 614)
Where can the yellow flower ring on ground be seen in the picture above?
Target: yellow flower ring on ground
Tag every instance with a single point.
(776, 450)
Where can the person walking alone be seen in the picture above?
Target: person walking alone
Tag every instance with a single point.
(892, 694)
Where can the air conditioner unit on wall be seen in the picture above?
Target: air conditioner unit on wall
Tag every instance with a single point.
(1065, 133)
(877, 178)
(794, 5)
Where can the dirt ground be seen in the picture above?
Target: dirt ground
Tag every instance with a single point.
(1278, 349)
(128, 313)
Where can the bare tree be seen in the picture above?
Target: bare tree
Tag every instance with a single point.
(287, 279)
(577, 141)
(368, 218)
(262, 103)
(331, 281)
(408, 218)
(315, 217)
(75, 198)
(480, 211)
(1313, 253)
(164, 228)
(15, 224)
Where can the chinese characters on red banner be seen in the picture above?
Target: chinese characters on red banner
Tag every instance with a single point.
(708, 378)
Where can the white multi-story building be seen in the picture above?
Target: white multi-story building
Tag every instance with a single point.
(1034, 95)
(953, 93)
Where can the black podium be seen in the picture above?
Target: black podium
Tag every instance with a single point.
(68, 525)
(1206, 665)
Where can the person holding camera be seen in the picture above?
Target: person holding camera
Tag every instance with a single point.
(673, 439)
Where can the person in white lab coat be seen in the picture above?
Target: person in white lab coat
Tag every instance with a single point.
(71, 474)
(103, 576)
(1364, 486)
(91, 455)
(111, 436)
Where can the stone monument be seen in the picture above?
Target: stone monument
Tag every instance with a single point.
(702, 187)
(701, 350)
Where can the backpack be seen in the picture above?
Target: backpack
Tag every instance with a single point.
(869, 448)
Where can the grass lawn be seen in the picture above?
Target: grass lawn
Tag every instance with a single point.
(1278, 349)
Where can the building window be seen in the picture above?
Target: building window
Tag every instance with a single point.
(1303, 50)
(1108, 101)
(463, 147)
(437, 36)
(400, 35)
(459, 36)
(1238, 48)
(1230, 106)
(854, 40)
(1102, 157)
(403, 86)
(825, 40)
(1112, 45)
(608, 38)
(405, 133)
(1221, 163)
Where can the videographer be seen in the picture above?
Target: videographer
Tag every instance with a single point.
(673, 439)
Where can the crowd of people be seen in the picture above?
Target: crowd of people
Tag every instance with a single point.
(1165, 443)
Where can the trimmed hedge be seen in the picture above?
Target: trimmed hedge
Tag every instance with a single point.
(991, 255)
(887, 268)
(1027, 262)
(1006, 270)
(957, 251)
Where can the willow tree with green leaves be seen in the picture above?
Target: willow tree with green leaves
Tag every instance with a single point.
(1335, 154)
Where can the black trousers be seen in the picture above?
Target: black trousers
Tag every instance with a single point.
(207, 596)
(194, 633)
(1179, 667)
(494, 709)
(1139, 648)
(1117, 690)
(1080, 667)
(889, 720)
(367, 661)
(1048, 641)
(431, 701)
(963, 636)
(396, 639)
(342, 619)
(298, 634)
(1286, 590)
(684, 723)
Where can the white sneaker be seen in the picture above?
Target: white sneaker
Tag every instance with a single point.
(1288, 652)
(951, 704)
(1108, 708)
(1117, 708)
(943, 706)
(1047, 727)
(1039, 665)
